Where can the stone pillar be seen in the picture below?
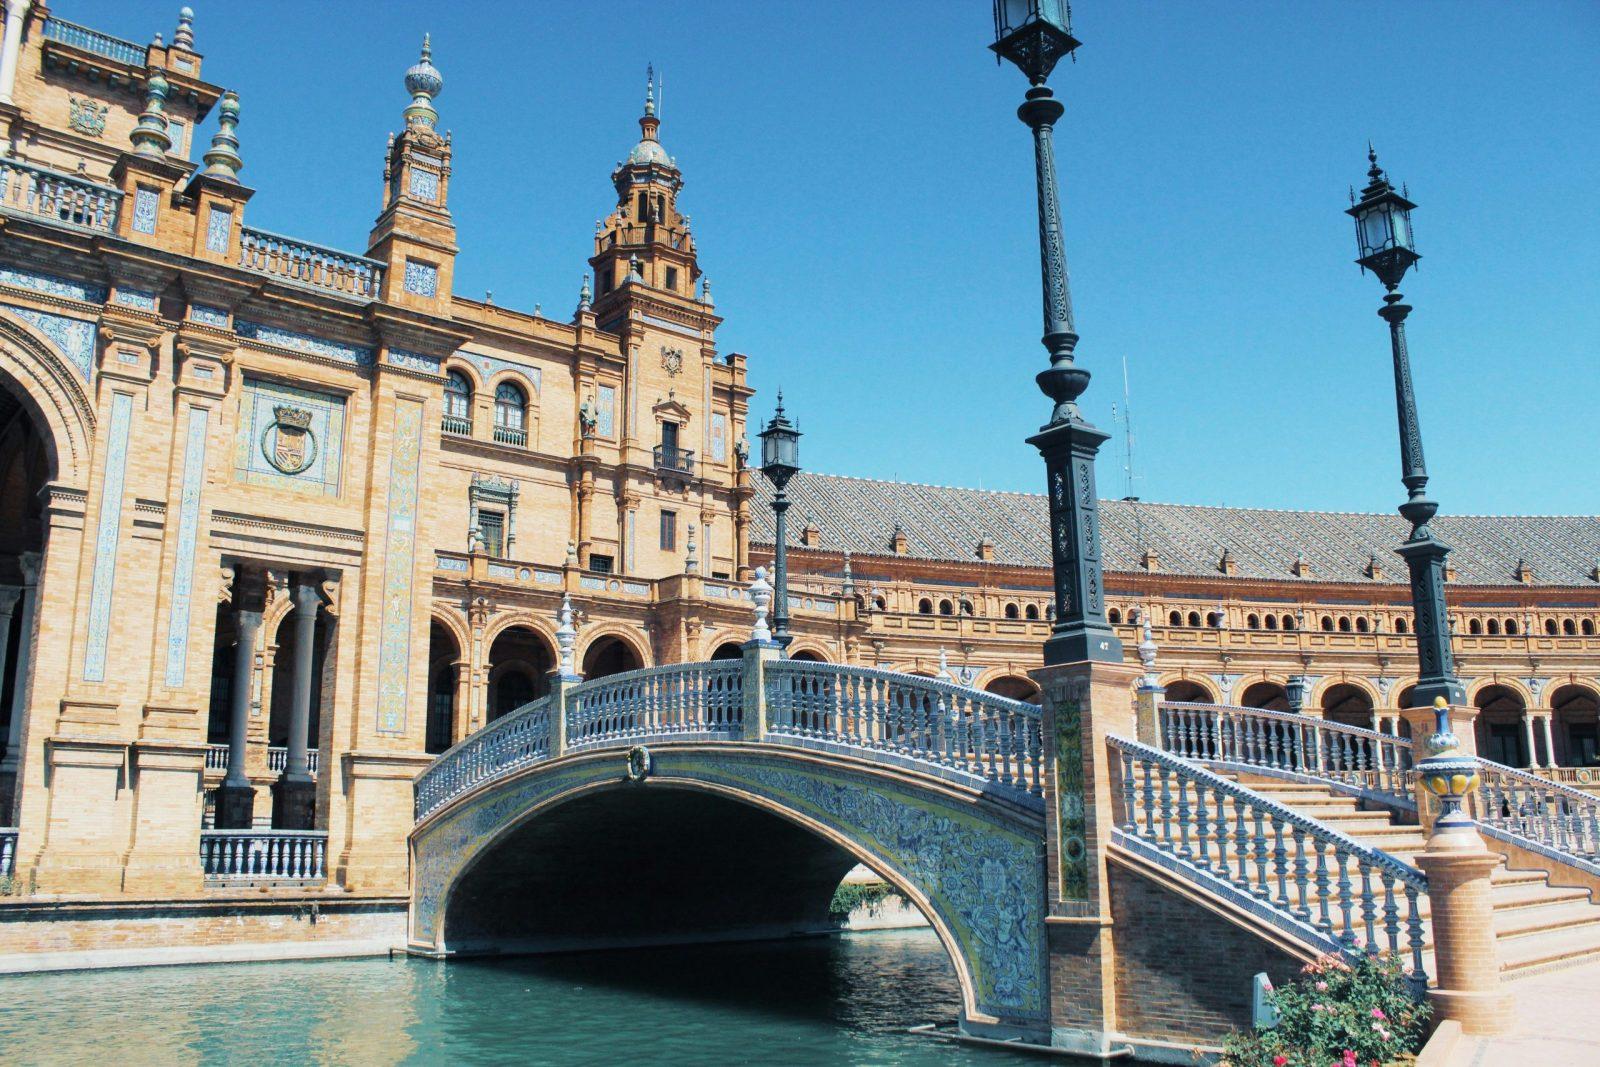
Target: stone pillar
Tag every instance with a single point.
(12, 765)
(294, 799)
(236, 797)
(1549, 741)
(461, 711)
(1083, 703)
(16, 13)
(1533, 745)
(1467, 985)
(1150, 693)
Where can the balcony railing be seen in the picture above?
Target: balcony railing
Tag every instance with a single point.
(511, 435)
(277, 758)
(309, 264)
(30, 190)
(70, 33)
(264, 855)
(674, 459)
(455, 424)
(8, 851)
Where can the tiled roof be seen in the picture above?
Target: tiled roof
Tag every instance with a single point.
(943, 523)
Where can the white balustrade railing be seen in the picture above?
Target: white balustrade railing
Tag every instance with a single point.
(680, 698)
(920, 718)
(30, 190)
(102, 44)
(8, 851)
(1300, 869)
(277, 758)
(1548, 813)
(264, 855)
(310, 264)
(1278, 740)
(509, 743)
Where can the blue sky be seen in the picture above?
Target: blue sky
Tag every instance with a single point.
(862, 193)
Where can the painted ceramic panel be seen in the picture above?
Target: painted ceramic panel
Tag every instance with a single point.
(194, 470)
(399, 567)
(107, 539)
(269, 451)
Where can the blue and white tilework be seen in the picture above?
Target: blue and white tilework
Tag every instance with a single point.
(399, 567)
(143, 299)
(54, 284)
(75, 338)
(219, 225)
(421, 278)
(305, 342)
(605, 422)
(146, 202)
(251, 462)
(425, 185)
(194, 470)
(493, 365)
(209, 315)
(107, 538)
(400, 357)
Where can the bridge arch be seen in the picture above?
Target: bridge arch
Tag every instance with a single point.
(488, 869)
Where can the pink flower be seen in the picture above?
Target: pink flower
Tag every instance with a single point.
(1279, 1060)
(1377, 1013)
(1349, 1058)
(1322, 987)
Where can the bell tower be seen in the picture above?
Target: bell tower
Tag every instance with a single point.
(646, 240)
(415, 237)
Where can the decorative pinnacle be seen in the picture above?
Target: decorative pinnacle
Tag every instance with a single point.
(183, 36)
(222, 158)
(584, 295)
(424, 82)
(1147, 649)
(566, 634)
(150, 137)
(650, 89)
(705, 292)
(761, 596)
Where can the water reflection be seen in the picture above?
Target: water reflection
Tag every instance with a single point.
(840, 1000)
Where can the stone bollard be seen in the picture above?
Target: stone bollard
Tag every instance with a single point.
(759, 651)
(1149, 693)
(563, 678)
(1458, 865)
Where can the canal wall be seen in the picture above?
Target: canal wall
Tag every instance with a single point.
(40, 935)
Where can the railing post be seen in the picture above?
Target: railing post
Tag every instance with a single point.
(1149, 694)
(757, 654)
(561, 684)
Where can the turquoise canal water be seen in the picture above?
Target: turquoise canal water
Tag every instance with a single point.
(842, 1000)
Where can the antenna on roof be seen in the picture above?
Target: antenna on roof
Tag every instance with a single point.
(1125, 416)
(661, 92)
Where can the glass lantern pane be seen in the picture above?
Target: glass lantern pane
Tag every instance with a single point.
(1374, 231)
(1402, 229)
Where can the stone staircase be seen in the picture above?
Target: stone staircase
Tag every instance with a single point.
(1537, 926)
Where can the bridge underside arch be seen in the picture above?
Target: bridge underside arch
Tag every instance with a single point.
(734, 841)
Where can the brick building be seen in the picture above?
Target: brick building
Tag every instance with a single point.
(279, 522)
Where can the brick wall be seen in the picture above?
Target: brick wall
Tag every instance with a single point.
(1182, 971)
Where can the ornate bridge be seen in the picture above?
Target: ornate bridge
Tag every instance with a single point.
(627, 807)
(728, 799)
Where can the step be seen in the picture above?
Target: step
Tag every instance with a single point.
(1549, 949)
(1570, 917)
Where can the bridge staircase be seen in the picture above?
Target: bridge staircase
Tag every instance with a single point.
(1313, 826)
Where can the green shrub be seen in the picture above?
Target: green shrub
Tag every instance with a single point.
(852, 895)
(1336, 1014)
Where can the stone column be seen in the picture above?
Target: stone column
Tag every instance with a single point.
(1467, 985)
(236, 797)
(9, 597)
(16, 15)
(11, 766)
(1549, 741)
(1527, 732)
(294, 801)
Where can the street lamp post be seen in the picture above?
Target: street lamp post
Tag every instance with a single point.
(780, 461)
(1035, 34)
(1384, 239)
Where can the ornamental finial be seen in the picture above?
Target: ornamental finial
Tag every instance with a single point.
(424, 82)
(705, 292)
(150, 137)
(761, 596)
(1147, 650)
(650, 89)
(585, 295)
(691, 559)
(183, 36)
(566, 634)
(222, 158)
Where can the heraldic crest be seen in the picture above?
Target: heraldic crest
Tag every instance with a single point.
(288, 442)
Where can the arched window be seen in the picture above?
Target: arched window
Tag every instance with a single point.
(1175, 619)
(1400, 625)
(1588, 627)
(1511, 627)
(1361, 625)
(1271, 621)
(1344, 624)
(1135, 617)
(1050, 611)
(1493, 627)
(510, 414)
(1288, 622)
(457, 403)
(966, 607)
(1194, 618)
(946, 608)
(1011, 611)
(1327, 623)
(1032, 611)
(1475, 626)
(924, 606)
(1551, 628)
(1568, 629)
(1114, 617)
(1253, 621)
(879, 603)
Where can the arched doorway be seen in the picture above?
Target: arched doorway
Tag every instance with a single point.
(1347, 704)
(1576, 728)
(1269, 696)
(1187, 692)
(282, 708)
(1010, 685)
(728, 650)
(25, 469)
(519, 664)
(1501, 736)
(443, 656)
(608, 656)
(807, 656)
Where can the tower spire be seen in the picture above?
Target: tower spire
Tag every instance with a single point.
(423, 82)
(222, 159)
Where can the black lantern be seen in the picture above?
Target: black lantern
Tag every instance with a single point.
(780, 461)
(1383, 227)
(1033, 34)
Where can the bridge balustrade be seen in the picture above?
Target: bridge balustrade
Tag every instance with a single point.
(679, 699)
(1279, 740)
(1346, 893)
(924, 719)
(1536, 809)
(510, 743)
(264, 855)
